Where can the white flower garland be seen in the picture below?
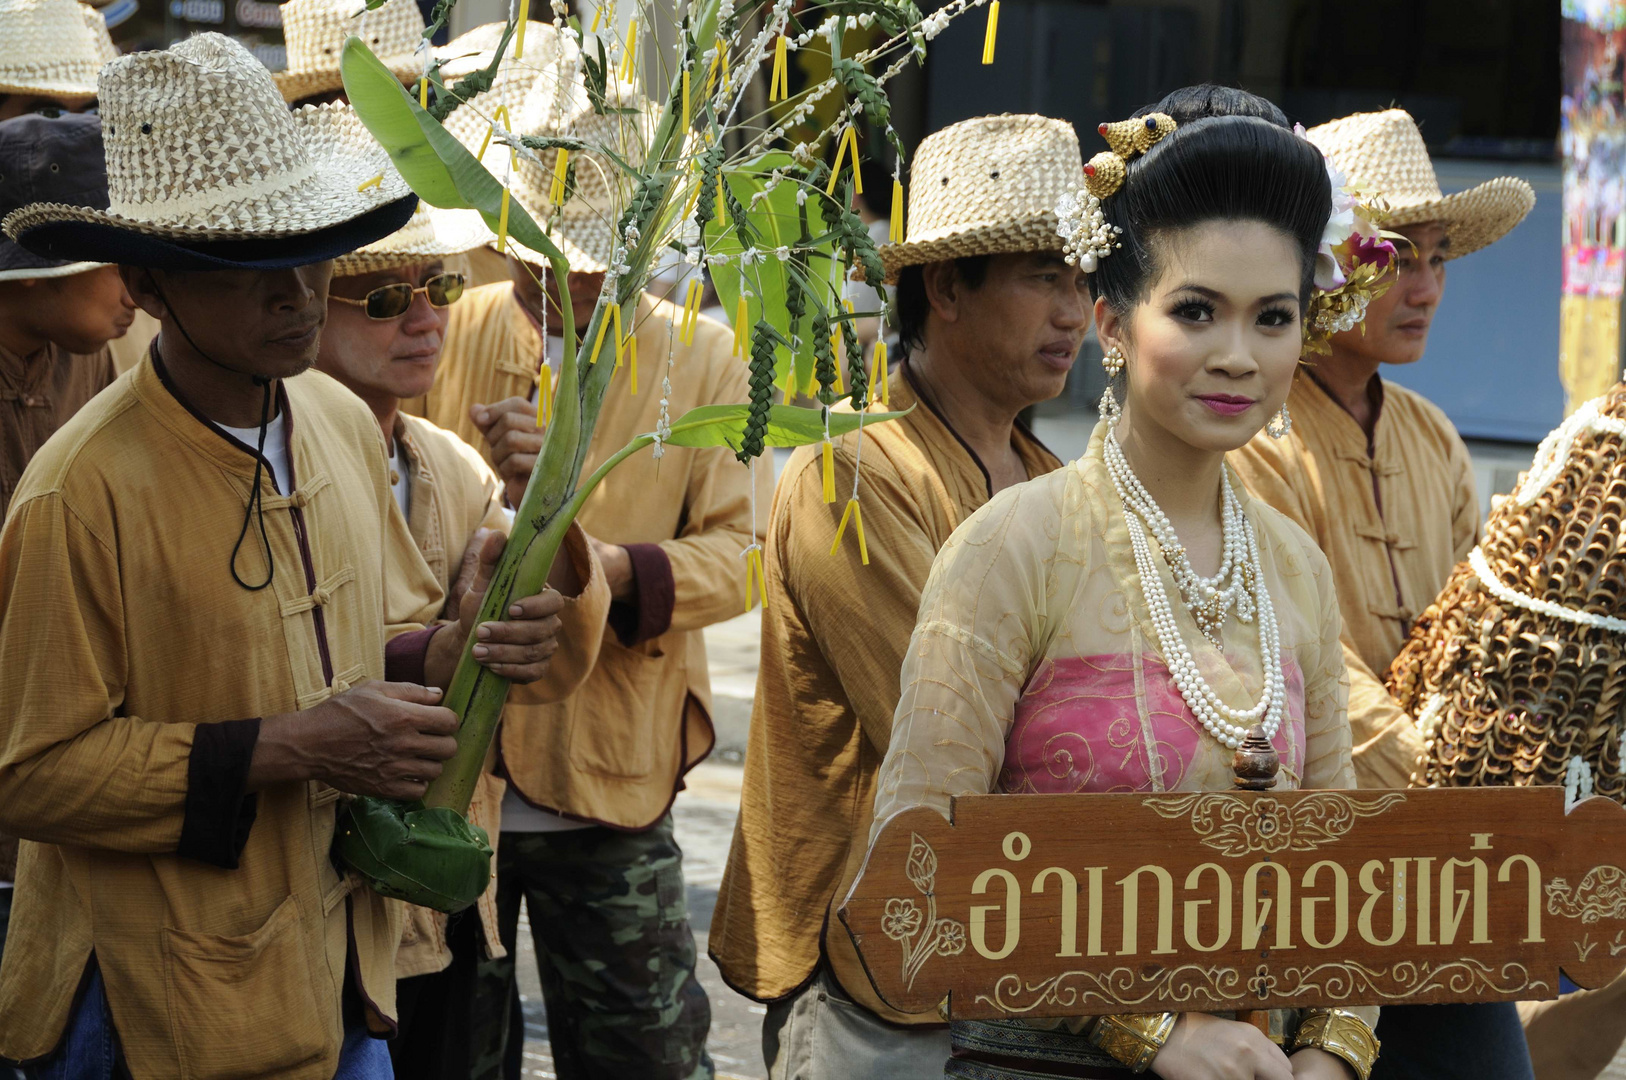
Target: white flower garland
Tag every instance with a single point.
(1494, 585)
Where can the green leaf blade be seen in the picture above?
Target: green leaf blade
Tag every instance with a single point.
(788, 425)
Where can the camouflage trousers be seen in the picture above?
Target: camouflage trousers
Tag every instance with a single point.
(610, 922)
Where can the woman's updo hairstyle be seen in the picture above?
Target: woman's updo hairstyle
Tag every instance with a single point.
(1221, 168)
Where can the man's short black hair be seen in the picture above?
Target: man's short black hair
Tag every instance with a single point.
(909, 301)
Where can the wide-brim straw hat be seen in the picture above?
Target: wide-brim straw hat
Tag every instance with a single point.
(1384, 152)
(52, 48)
(428, 235)
(556, 103)
(987, 186)
(315, 32)
(207, 167)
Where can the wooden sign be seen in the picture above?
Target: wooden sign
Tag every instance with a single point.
(1065, 905)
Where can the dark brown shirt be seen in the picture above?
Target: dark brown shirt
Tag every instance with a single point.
(38, 393)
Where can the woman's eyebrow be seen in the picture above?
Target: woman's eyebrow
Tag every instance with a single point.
(1215, 294)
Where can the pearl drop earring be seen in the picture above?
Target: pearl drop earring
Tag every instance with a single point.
(1280, 424)
(1112, 363)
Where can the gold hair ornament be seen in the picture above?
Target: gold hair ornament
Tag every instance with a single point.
(1105, 172)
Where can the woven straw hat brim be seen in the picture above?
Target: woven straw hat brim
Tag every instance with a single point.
(295, 85)
(448, 233)
(1037, 233)
(343, 158)
(120, 245)
(71, 94)
(24, 273)
(1475, 218)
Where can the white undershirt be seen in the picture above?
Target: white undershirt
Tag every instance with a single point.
(402, 485)
(276, 449)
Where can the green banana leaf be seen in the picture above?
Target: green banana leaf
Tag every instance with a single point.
(778, 219)
(434, 164)
(788, 425)
(429, 856)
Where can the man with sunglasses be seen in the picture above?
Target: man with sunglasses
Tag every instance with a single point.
(388, 308)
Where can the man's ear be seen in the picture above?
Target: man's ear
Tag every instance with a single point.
(139, 283)
(942, 283)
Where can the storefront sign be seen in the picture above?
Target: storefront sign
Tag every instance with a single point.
(1052, 905)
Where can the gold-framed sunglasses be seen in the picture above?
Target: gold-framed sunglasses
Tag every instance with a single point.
(392, 301)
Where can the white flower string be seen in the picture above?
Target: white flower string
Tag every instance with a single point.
(1577, 782)
(1508, 595)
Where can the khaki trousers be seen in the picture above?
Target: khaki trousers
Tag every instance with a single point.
(822, 1034)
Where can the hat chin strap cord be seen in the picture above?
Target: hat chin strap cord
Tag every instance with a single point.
(256, 499)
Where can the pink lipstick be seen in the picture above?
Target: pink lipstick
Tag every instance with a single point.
(1227, 404)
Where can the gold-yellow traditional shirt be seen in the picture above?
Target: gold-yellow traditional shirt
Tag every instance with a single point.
(1394, 514)
(833, 635)
(614, 752)
(123, 641)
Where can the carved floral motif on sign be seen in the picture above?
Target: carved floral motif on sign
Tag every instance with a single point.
(1235, 826)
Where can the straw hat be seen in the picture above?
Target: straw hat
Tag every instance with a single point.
(52, 48)
(557, 104)
(473, 50)
(207, 168)
(316, 30)
(987, 186)
(428, 235)
(1384, 151)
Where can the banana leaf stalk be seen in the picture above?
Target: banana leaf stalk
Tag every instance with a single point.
(428, 853)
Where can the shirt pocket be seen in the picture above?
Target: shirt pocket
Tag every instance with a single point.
(636, 699)
(243, 1005)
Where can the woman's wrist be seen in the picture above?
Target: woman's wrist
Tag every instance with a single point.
(1341, 1034)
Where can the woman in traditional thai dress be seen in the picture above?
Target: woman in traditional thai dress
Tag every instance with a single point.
(1119, 625)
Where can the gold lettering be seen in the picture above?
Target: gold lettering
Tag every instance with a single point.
(1482, 841)
(1532, 901)
(1098, 893)
(1193, 908)
(1454, 901)
(1069, 906)
(1013, 914)
(1256, 912)
(1425, 885)
(1165, 910)
(1339, 900)
(1374, 893)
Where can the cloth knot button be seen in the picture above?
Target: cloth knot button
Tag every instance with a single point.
(299, 500)
(321, 597)
(340, 686)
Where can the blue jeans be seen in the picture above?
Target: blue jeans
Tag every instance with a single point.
(90, 1047)
(1452, 1042)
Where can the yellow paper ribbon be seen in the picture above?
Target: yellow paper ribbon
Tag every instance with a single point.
(691, 311)
(848, 137)
(877, 374)
(686, 99)
(519, 38)
(993, 30)
(500, 113)
(502, 222)
(742, 336)
(561, 167)
(627, 65)
(598, 13)
(423, 92)
(544, 395)
(857, 516)
(620, 341)
(779, 83)
(374, 182)
(718, 62)
(754, 575)
(894, 232)
(829, 473)
(631, 345)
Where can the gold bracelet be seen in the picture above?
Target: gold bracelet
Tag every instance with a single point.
(1133, 1039)
(1342, 1034)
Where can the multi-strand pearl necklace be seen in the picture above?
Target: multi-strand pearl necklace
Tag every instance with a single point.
(1208, 599)
(1229, 726)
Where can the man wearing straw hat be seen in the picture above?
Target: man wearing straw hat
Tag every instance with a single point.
(387, 312)
(50, 52)
(587, 830)
(990, 318)
(1381, 480)
(56, 317)
(199, 593)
